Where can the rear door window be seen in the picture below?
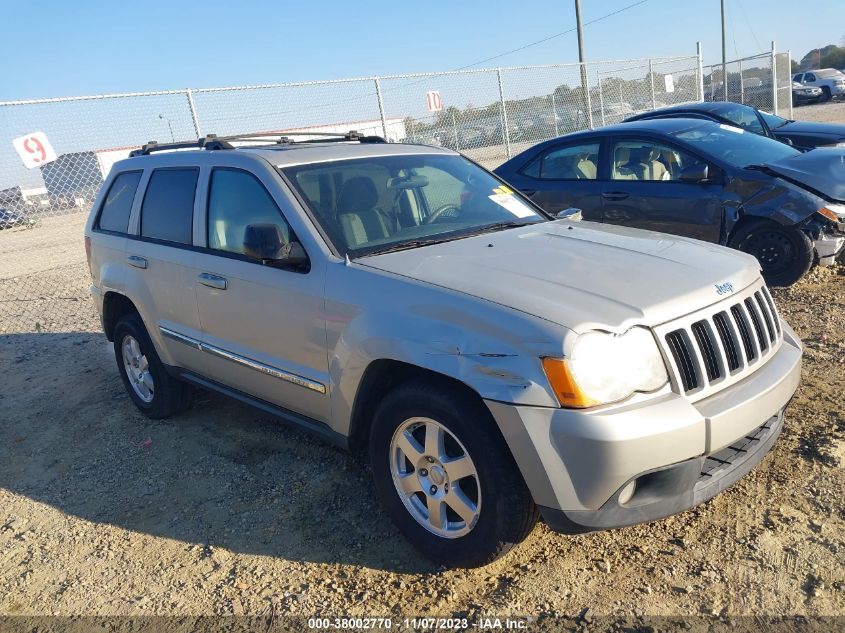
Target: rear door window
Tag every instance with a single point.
(168, 209)
(573, 162)
(114, 215)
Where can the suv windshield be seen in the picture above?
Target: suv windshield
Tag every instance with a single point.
(375, 204)
(735, 146)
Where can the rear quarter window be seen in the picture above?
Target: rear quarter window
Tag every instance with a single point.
(114, 215)
(168, 209)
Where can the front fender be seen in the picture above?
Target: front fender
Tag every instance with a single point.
(494, 350)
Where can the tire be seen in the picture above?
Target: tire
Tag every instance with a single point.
(785, 253)
(826, 96)
(158, 395)
(504, 512)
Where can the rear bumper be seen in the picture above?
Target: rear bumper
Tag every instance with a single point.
(642, 461)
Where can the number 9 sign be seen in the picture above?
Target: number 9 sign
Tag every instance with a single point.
(34, 149)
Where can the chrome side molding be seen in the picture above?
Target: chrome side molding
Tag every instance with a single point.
(281, 374)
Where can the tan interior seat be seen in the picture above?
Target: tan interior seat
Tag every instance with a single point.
(622, 168)
(357, 212)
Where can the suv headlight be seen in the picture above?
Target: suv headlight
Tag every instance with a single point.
(605, 368)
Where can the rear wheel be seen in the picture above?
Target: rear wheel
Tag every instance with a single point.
(446, 477)
(785, 253)
(154, 391)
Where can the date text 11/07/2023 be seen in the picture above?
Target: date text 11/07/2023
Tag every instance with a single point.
(419, 624)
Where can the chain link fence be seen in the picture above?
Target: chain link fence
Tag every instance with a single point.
(763, 81)
(490, 115)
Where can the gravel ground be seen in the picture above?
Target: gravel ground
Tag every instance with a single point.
(832, 112)
(225, 511)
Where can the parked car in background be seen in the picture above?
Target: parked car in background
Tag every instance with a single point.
(398, 300)
(11, 219)
(802, 95)
(701, 179)
(830, 80)
(802, 135)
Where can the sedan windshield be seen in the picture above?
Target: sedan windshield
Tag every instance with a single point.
(735, 146)
(773, 121)
(382, 203)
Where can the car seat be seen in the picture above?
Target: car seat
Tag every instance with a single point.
(357, 213)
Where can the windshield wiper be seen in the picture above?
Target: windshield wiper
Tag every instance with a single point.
(403, 246)
(498, 226)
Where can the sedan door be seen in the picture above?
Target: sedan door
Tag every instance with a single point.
(652, 187)
(263, 326)
(563, 176)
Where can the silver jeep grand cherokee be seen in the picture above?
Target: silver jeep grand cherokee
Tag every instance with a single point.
(493, 363)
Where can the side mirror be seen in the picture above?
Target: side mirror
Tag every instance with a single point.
(570, 214)
(265, 243)
(696, 173)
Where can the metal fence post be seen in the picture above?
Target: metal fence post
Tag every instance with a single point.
(700, 70)
(505, 133)
(554, 115)
(601, 103)
(774, 79)
(193, 109)
(741, 84)
(455, 132)
(789, 76)
(381, 107)
(651, 80)
(585, 86)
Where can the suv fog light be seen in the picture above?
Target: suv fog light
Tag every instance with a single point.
(627, 492)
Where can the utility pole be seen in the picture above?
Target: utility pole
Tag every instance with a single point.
(585, 88)
(724, 55)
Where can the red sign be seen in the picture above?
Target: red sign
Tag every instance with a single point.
(432, 101)
(34, 149)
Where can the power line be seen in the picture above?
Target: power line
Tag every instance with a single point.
(551, 37)
(748, 22)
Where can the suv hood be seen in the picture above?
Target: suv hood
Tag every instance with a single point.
(580, 275)
(821, 169)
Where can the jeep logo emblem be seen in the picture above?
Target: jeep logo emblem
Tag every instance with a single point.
(725, 288)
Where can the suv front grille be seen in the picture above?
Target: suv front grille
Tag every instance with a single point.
(713, 348)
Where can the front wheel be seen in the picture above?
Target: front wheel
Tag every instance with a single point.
(826, 95)
(785, 253)
(446, 477)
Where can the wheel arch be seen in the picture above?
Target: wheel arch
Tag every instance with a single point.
(379, 378)
(115, 306)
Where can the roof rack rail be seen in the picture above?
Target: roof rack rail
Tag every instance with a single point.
(214, 142)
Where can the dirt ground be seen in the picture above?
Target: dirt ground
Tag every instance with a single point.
(223, 510)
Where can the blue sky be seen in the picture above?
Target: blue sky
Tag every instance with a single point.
(61, 47)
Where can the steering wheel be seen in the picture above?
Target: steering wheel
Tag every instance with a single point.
(440, 211)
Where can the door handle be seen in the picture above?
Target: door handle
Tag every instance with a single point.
(212, 281)
(137, 261)
(615, 195)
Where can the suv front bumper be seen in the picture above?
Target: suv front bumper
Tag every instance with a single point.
(622, 465)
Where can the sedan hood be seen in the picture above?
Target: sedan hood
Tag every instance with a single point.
(834, 130)
(821, 169)
(579, 274)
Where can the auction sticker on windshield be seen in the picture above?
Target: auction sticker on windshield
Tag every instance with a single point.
(503, 196)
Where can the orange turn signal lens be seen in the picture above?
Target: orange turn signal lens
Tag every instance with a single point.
(566, 389)
(830, 215)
